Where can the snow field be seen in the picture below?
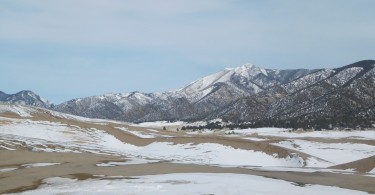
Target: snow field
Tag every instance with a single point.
(40, 134)
(142, 134)
(336, 153)
(17, 109)
(329, 134)
(184, 183)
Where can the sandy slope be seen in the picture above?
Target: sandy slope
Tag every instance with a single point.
(363, 165)
(84, 165)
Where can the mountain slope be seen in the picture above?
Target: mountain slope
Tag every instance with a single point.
(25, 98)
(192, 102)
(289, 98)
(342, 95)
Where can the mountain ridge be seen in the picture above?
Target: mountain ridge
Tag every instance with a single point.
(243, 94)
(192, 102)
(25, 97)
(341, 94)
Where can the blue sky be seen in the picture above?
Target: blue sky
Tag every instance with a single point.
(77, 48)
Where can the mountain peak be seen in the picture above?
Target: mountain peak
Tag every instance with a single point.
(25, 97)
(26, 92)
(249, 70)
(249, 66)
(244, 66)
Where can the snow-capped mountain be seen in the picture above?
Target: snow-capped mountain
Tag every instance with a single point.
(247, 93)
(248, 78)
(192, 102)
(25, 98)
(343, 95)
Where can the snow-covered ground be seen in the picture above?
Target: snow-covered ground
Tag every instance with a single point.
(336, 153)
(132, 161)
(258, 131)
(84, 119)
(17, 109)
(215, 154)
(301, 169)
(31, 165)
(160, 124)
(2, 170)
(202, 132)
(184, 183)
(143, 134)
(255, 139)
(41, 134)
(50, 136)
(27, 111)
(329, 134)
(137, 133)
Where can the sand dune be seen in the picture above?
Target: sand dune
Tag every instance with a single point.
(43, 144)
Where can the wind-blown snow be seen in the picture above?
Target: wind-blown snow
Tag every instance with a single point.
(215, 154)
(39, 165)
(337, 153)
(160, 124)
(329, 134)
(303, 170)
(17, 109)
(255, 139)
(138, 134)
(44, 130)
(2, 170)
(266, 130)
(132, 161)
(41, 134)
(185, 183)
(84, 119)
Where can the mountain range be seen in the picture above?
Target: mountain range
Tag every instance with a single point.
(247, 93)
(195, 101)
(343, 96)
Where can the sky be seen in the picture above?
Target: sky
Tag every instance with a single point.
(77, 48)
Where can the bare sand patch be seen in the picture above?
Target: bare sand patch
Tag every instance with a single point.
(83, 166)
(178, 138)
(363, 165)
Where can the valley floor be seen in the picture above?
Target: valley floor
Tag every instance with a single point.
(44, 152)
